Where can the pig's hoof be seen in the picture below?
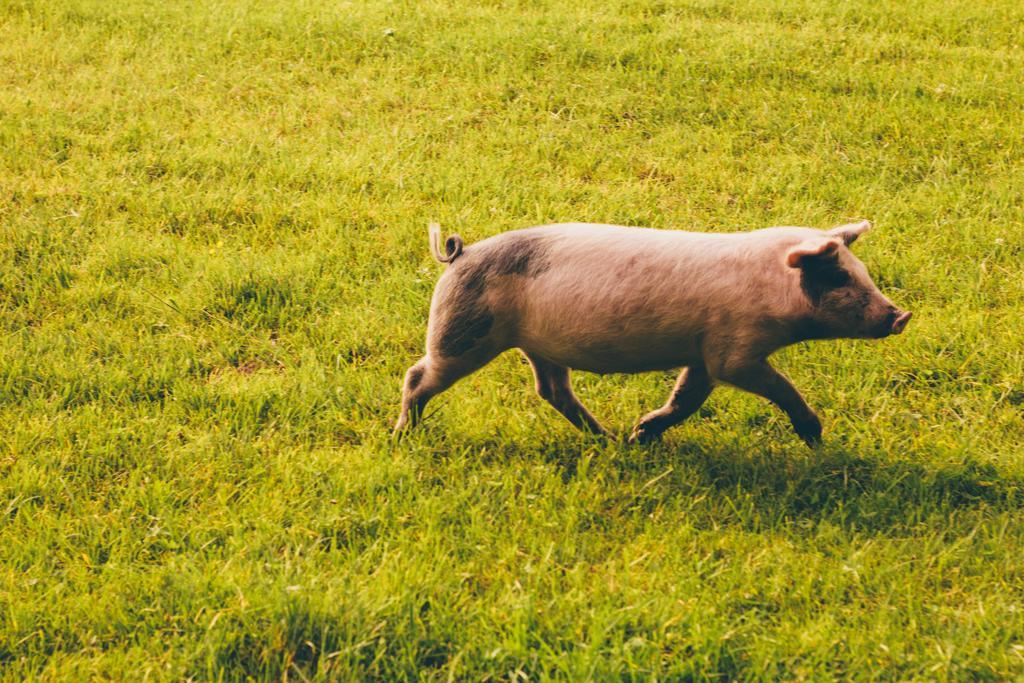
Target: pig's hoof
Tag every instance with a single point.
(810, 432)
(642, 435)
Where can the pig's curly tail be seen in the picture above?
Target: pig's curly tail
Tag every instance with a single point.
(452, 245)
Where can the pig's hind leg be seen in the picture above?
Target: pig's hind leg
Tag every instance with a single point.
(429, 377)
(421, 383)
(692, 388)
(461, 339)
(554, 387)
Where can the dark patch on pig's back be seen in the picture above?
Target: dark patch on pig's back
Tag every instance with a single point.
(467, 317)
(525, 253)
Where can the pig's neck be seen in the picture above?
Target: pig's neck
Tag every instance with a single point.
(799, 320)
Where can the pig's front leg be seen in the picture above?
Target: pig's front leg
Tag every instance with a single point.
(762, 379)
(692, 388)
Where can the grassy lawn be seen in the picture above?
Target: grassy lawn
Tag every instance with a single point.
(214, 272)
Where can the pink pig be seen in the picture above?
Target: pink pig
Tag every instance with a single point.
(605, 298)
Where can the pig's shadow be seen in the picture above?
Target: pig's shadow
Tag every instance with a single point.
(877, 496)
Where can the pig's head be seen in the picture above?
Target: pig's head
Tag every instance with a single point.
(844, 302)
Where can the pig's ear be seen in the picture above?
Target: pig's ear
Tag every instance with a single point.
(811, 251)
(850, 232)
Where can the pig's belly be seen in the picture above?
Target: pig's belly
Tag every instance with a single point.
(614, 352)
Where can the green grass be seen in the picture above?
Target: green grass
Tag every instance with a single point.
(214, 271)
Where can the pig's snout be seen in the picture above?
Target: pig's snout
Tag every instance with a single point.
(892, 322)
(902, 318)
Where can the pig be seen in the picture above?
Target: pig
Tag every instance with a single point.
(614, 299)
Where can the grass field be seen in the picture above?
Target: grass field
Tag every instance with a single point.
(214, 271)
